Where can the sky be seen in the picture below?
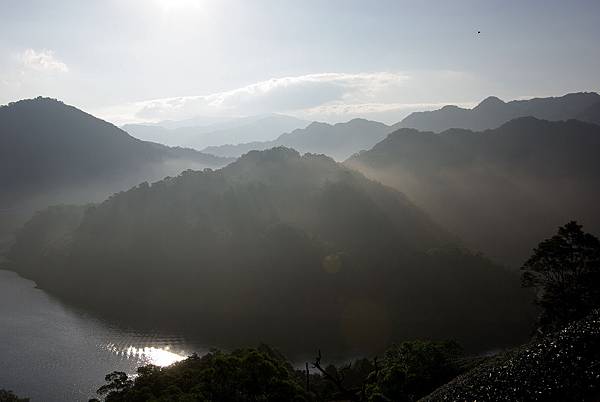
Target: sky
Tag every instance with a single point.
(151, 60)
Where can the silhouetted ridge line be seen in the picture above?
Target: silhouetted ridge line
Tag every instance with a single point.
(338, 140)
(493, 112)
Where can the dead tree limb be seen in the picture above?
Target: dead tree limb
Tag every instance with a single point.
(336, 379)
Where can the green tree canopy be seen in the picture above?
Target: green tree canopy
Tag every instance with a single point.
(239, 376)
(8, 396)
(565, 271)
(412, 369)
(406, 372)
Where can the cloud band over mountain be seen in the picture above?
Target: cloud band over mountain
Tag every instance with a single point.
(323, 96)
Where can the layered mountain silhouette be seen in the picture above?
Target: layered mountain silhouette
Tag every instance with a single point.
(52, 152)
(493, 112)
(500, 190)
(338, 140)
(239, 130)
(298, 251)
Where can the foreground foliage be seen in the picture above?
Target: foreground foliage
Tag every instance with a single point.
(565, 270)
(406, 372)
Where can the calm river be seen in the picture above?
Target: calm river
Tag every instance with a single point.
(53, 353)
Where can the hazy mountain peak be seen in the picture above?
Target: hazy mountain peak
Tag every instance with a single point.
(44, 117)
(403, 131)
(524, 121)
(361, 123)
(272, 154)
(32, 101)
(40, 104)
(53, 152)
(359, 120)
(277, 157)
(490, 102)
(580, 95)
(316, 125)
(451, 107)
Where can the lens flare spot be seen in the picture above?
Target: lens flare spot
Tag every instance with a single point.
(332, 264)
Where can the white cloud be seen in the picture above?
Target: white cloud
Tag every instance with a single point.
(278, 94)
(44, 60)
(284, 95)
(325, 96)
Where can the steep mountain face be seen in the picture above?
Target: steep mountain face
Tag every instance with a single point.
(233, 131)
(294, 250)
(499, 190)
(51, 152)
(338, 140)
(493, 112)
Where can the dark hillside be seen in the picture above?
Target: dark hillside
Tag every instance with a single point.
(51, 152)
(298, 251)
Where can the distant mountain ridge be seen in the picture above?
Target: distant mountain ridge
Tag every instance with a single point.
(238, 130)
(336, 140)
(500, 190)
(493, 112)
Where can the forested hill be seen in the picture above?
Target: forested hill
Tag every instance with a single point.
(298, 251)
(53, 152)
(499, 190)
(493, 112)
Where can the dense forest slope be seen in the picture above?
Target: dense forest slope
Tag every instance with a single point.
(493, 112)
(298, 251)
(499, 190)
(52, 152)
(336, 140)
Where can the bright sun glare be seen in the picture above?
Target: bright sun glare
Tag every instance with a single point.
(172, 5)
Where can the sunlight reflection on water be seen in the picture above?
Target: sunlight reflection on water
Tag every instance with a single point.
(159, 356)
(54, 353)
